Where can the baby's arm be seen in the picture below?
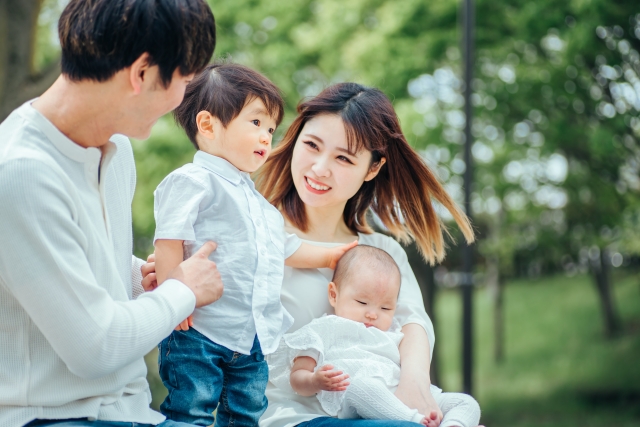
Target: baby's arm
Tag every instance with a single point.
(305, 382)
(169, 254)
(311, 256)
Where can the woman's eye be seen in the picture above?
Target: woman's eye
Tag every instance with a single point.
(311, 145)
(345, 159)
(256, 122)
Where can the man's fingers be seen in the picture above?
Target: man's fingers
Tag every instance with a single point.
(206, 249)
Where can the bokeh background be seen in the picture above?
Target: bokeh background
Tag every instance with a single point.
(556, 187)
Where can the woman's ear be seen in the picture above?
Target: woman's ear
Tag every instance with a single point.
(375, 169)
(206, 124)
(333, 294)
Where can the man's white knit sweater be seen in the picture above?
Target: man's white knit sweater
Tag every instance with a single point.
(72, 339)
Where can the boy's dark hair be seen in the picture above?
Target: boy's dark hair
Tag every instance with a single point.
(370, 257)
(101, 37)
(223, 89)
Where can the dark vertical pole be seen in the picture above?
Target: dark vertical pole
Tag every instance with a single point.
(467, 255)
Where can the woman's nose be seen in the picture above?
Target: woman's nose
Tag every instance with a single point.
(320, 167)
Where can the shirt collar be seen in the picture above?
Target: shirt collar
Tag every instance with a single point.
(60, 141)
(220, 166)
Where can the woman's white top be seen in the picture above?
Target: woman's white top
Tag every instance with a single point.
(304, 295)
(71, 339)
(348, 346)
(210, 199)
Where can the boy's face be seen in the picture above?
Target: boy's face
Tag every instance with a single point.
(369, 297)
(246, 141)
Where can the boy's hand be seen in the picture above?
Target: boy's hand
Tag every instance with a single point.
(148, 270)
(327, 379)
(185, 324)
(336, 253)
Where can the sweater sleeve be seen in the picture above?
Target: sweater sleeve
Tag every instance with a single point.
(136, 277)
(43, 264)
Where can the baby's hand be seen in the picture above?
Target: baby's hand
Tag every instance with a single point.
(336, 253)
(184, 325)
(327, 379)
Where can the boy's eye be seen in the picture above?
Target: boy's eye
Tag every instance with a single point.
(271, 130)
(311, 145)
(256, 122)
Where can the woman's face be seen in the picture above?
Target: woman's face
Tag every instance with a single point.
(324, 172)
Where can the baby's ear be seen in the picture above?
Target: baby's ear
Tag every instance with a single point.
(333, 294)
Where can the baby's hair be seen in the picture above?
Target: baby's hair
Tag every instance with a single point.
(366, 256)
(223, 89)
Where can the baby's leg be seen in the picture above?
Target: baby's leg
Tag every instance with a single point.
(371, 399)
(458, 409)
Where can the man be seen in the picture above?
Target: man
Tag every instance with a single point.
(72, 336)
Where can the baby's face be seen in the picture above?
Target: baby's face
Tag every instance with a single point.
(246, 141)
(369, 297)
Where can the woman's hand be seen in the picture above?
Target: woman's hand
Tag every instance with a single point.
(337, 252)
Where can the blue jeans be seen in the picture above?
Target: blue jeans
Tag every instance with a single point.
(83, 422)
(336, 422)
(200, 374)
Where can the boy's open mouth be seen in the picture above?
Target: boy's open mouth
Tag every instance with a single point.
(260, 153)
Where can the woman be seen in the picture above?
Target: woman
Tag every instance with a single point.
(343, 155)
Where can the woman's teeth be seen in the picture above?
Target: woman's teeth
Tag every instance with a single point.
(316, 186)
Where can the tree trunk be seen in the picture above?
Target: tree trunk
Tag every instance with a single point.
(18, 81)
(600, 266)
(494, 283)
(426, 280)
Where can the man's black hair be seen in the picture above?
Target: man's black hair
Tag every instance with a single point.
(101, 37)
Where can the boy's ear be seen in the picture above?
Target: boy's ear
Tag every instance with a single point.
(375, 168)
(333, 294)
(206, 124)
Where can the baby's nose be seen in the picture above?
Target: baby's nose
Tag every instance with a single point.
(372, 315)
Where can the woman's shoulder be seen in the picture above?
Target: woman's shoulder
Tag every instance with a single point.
(384, 242)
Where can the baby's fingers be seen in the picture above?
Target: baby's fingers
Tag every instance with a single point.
(332, 374)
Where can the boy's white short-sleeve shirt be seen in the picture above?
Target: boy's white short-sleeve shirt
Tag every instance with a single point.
(210, 199)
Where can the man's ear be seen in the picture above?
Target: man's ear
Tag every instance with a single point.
(206, 123)
(333, 294)
(375, 169)
(138, 73)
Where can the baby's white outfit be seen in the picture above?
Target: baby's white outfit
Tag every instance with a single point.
(372, 360)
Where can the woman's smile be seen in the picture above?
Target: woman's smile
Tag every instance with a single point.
(315, 187)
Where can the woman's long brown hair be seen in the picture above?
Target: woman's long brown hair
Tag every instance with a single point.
(402, 192)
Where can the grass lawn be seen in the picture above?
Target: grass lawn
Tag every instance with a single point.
(558, 369)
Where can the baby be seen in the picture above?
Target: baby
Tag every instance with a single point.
(229, 113)
(351, 361)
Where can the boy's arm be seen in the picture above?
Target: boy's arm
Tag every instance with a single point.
(169, 254)
(307, 383)
(311, 256)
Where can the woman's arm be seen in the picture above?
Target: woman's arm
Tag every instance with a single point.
(414, 388)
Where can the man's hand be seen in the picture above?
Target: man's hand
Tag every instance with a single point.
(148, 270)
(327, 379)
(200, 275)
